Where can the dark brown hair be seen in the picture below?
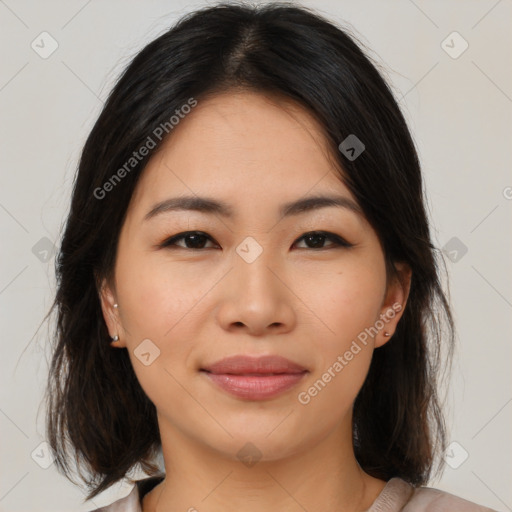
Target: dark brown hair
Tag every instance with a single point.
(96, 408)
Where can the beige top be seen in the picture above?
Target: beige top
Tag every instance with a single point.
(397, 495)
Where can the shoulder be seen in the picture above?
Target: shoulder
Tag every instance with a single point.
(132, 501)
(428, 499)
(400, 496)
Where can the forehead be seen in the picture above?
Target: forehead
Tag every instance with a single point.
(242, 143)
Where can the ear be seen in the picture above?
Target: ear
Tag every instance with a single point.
(394, 302)
(111, 316)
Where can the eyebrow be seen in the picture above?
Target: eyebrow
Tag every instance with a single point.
(215, 207)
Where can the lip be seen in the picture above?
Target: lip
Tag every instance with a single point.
(255, 378)
(243, 365)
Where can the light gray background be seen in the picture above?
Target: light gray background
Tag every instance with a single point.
(459, 110)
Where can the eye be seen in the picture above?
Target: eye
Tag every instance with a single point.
(317, 238)
(193, 240)
(198, 239)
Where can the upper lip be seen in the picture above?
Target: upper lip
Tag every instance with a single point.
(243, 364)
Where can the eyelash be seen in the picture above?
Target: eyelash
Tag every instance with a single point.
(337, 240)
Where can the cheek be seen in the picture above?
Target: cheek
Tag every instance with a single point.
(154, 299)
(345, 302)
(159, 306)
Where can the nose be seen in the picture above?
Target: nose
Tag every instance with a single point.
(256, 298)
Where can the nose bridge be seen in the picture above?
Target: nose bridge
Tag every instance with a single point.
(253, 262)
(254, 296)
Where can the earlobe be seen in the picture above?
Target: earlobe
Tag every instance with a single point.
(394, 303)
(109, 309)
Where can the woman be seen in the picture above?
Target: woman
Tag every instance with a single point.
(247, 281)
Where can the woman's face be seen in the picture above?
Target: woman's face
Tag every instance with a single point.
(250, 283)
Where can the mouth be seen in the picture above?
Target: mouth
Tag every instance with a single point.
(254, 378)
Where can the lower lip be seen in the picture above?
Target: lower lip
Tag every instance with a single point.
(252, 387)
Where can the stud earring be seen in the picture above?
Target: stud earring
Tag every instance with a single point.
(116, 306)
(115, 338)
(387, 334)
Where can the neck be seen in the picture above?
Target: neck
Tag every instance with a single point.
(323, 477)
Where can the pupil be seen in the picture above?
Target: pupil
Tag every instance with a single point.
(316, 237)
(195, 237)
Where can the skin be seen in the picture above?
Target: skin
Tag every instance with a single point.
(199, 305)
